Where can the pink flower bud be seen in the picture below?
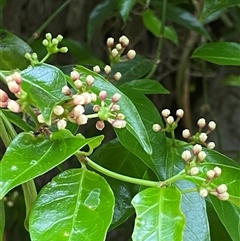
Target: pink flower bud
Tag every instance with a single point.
(110, 42)
(14, 87)
(194, 171)
(119, 124)
(96, 69)
(117, 76)
(156, 127)
(3, 96)
(78, 83)
(116, 97)
(82, 119)
(210, 174)
(100, 125)
(131, 54)
(223, 196)
(114, 53)
(17, 77)
(61, 124)
(201, 123)
(186, 133)
(203, 137)
(103, 95)
(211, 125)
(66, 90)
(78, 110)
(75, 75)
(9, 78)
(3, 104)
(180, 113)
(203, 192)
(221, 188)
(58, 110)
(186, 155)
(201, 155)
(124, 41)
(211, 145)
(89, 80)
(107, 69)
(78, 100)
(115, 107)
(14, 106)
(40, 118)
(196, 149)
(217, 171)
(165, 113)
(170, 120)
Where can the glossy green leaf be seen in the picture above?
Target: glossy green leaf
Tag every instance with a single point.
(211, 7)
(181, 17)
(43, 84)
(99, 14)
(134, 125)
(12, 51)
(81, 212)
(125, 7)
(133, 69)
(29, 156)
(159, 216)
(154, 25)
(222, 53)
(145, 86)
(232, 80)
(157, 161)
(126, 163)
(2, 219)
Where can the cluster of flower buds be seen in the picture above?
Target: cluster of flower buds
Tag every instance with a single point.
(14, 85)
(107, 70)
(201, 137)
(220, 191)
(74, 109)
(193, 159)
(171, 123)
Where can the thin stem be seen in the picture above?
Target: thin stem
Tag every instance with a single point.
(121, 177)
(173, 138)
(2, 219)
(190, 190)
(48, 21)
(45, 58)
(175, 178)
(160, 42)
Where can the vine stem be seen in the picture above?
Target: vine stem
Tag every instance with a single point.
(160, 42)
(49, 20)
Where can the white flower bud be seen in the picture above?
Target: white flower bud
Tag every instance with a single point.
(78, 100)
(55, 41)
(194, 171)
(156, 128)
(96, 108)
(110, 42)
(186, 155)
(78, 83)
(179, 113)
(165, 113)
(203, 137)
(210, 174)
(119, 47)
(59, 37)
(116, 97)
(186, 133)
(131, 54)
(217, 171)
(221, 188)
(87, 98)
(45, 42)
(40, 118)
(170, 120)
(78, 110)
(117, 76)
(81, 120)
(61, 124)
(75, 75)
(203, 192)
(223, 196)
(107, 69)
(48, 36)
(201, 155)
(93, 97)
(66, 90)
(201, 122)
(211, 125)
(58, 110)
(17, 77)
(114, 53)
(89, 80)
(63, 50)
(124, 41)
(14, 106)
(120, 116)
(96, 69)
(119, 124)
(211, 145)
(14, 87)
(196, 149)
(115, 107)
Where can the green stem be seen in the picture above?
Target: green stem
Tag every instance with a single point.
(160, 42)
(45, 58)
(2, 219)
(48, 21)
(121, 177)
(173, 138)
(175, 178)
(190, 190)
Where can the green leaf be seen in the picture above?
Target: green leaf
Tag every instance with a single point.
(99, 14)
(125, 163)
(43, 84)
(145, 86)
(2, 217)
(2, 4)
(134, 125)
(133, 69)
(124, 8)
(154, 25)
(82, 212)
(211, 7)
(159, 216)
(232, 80)
(157, 161)
(30, 156)
(222, 53)
(12, 51)
(181, 17)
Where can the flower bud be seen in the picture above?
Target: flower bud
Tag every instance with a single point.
(107, 69)
(63, 50)
(211, 145)
(196, 149)
(93, 97)
(201, 155)
(103, 95)
(78, 110)
(110, 42)
(221, 188)
(186, 133)
(45, 42)
(78, 83)
(186, 155)
(115, 107)
(114, 53)
(201, 123)
(96, 108)
(14, 87)
(13, 106)
(211, 125)
(170, 120)
(61, 124)
(210, 174)
(165, 113)
(217, 171)
(116, 97)
(131, 54)
(119, 47)
(193, 171)
(203, 192)
(100, 125)
(48, 36)
(96, 69)
(179, 113)
(203, 137)
(124, 41)
(3, 96)
(66, 90)
(223, 196)
(17, 77)
(156, 127)
(55, 41)
(82, 119)
(40, 118)
(89, 80)
(120, 116)
(117, 76)
(78, 100)
(58, 110)
(87, 98)
(3, 104)
(59, 37)
(75, 75)
(119, 124)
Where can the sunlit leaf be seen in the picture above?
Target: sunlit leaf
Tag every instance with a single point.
(76, 205)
